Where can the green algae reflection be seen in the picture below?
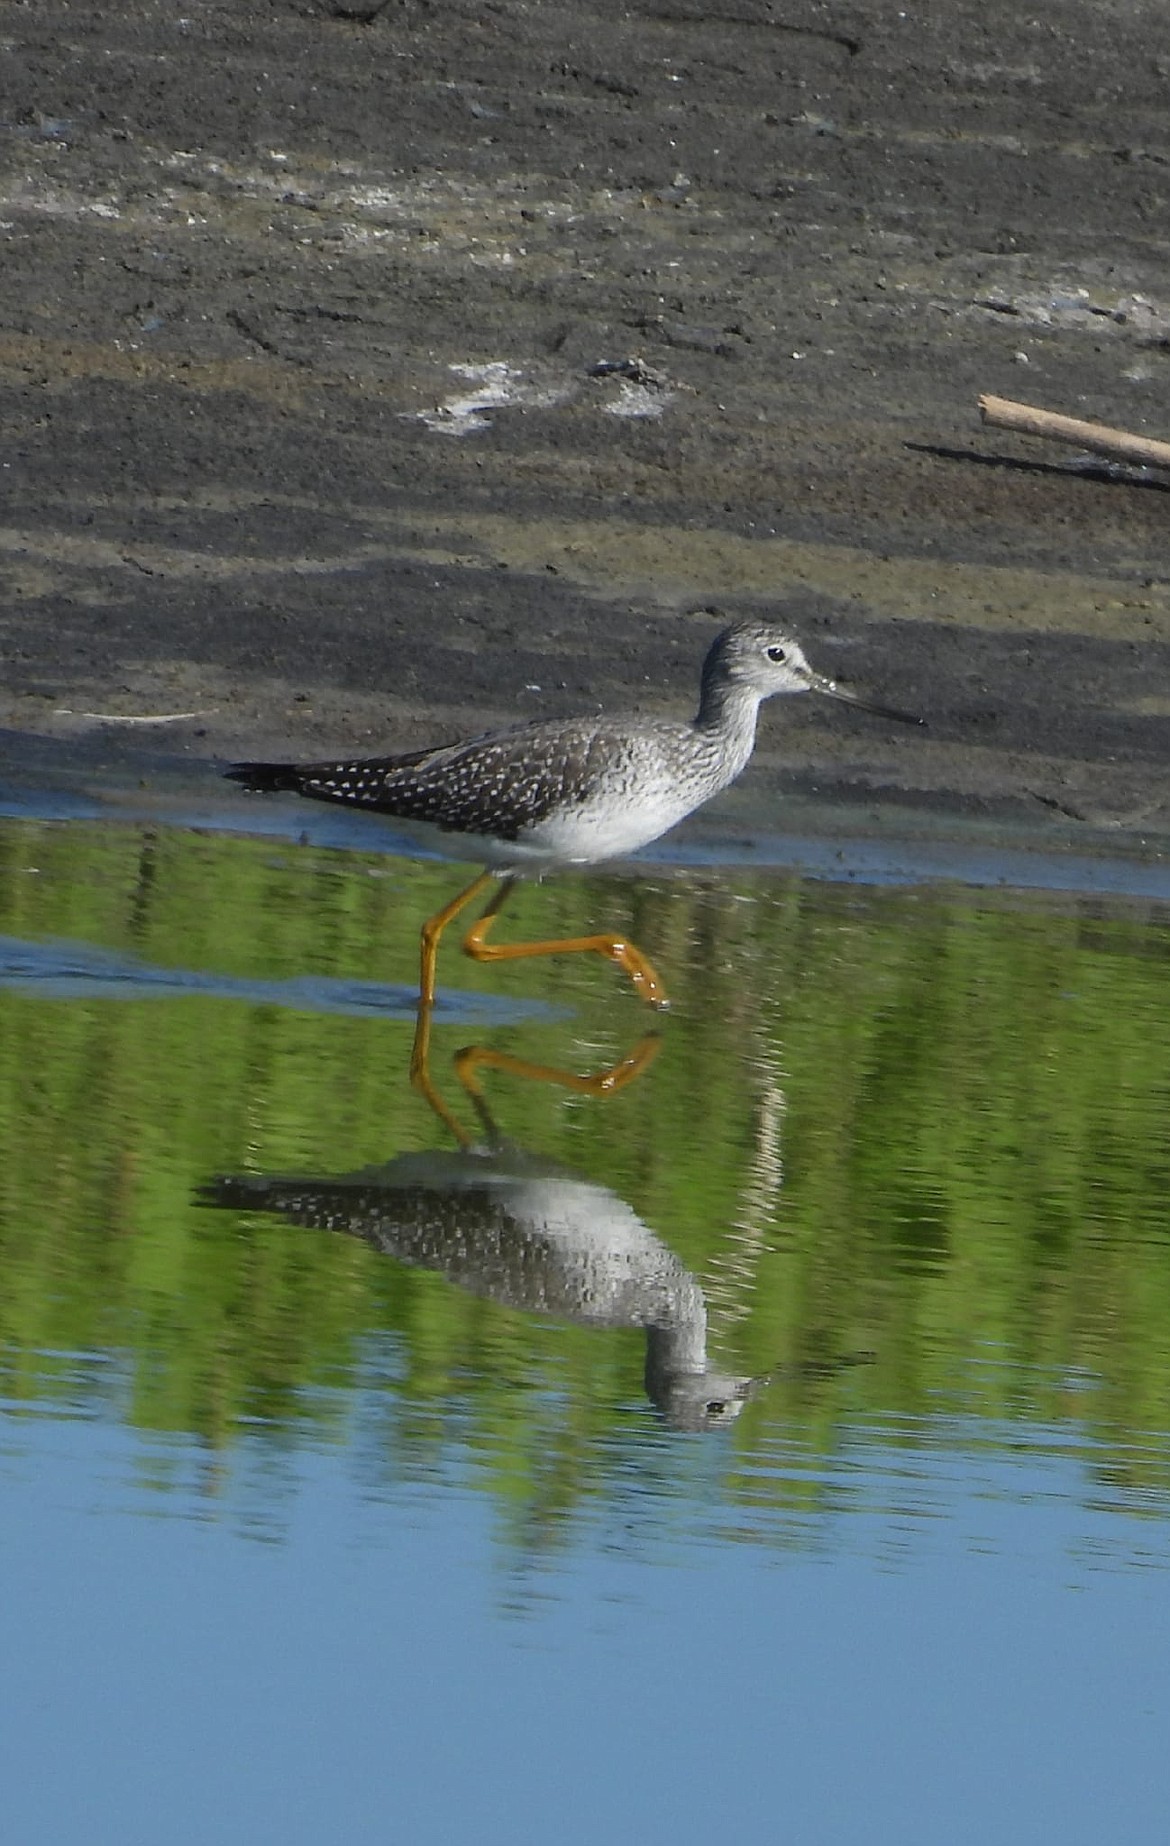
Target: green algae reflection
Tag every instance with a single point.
(930, 1128)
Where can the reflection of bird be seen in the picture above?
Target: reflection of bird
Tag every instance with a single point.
(530, 1235)
(563, 792)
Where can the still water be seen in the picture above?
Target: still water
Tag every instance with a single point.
(772, 1442)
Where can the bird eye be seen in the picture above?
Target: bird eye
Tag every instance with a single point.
(777, 654)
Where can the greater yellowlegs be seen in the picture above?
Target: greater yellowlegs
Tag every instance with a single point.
(516, 1229)
(566, 792)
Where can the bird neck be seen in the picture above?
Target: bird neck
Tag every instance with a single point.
(676, 1339)
(731, 711)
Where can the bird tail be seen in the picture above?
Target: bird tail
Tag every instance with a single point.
(265, 778)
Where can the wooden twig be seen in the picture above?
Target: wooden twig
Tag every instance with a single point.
(1096, 437)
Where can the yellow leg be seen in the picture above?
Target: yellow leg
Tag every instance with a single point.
(433, 929)
(420, 1074)
(614, 948)
(469, 1061)
(472, 1058)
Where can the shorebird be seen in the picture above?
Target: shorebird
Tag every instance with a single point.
(564, 792)
(524, 1232)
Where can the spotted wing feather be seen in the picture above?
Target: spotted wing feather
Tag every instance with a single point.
(499, 785)
(302, 778)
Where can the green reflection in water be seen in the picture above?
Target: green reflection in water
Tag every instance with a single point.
(924, 1126)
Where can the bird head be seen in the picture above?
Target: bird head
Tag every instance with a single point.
(766, 660)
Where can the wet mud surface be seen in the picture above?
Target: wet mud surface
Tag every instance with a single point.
(367, 378)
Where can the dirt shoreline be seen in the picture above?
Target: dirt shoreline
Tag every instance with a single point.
(361, 382)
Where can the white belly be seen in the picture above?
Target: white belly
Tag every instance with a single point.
(583, 836)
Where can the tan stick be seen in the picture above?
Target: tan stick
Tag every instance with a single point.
(1118, 443)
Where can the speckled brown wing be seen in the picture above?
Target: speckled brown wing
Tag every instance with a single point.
(498, 785)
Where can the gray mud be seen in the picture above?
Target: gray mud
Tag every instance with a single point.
(364, 380)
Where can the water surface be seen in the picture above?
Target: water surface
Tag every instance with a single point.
(333, 1508)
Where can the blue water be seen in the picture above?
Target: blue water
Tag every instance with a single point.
(435, 1567)
(302, 1654)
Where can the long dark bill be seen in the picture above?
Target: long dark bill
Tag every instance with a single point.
(833, 691)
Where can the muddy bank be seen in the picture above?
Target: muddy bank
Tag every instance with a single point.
(360, 381)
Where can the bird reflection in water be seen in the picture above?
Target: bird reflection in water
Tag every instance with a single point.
(525, 1232)
(528, 1234)
(474, 1058)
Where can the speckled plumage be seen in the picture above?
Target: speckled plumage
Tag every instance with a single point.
(522, 1232)
(572, 791)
